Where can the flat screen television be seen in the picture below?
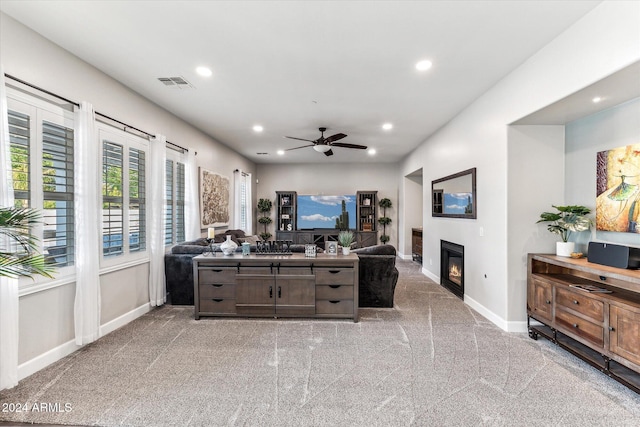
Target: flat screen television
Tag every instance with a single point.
(326, 212)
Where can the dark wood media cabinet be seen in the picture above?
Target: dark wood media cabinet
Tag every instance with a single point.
(601, 326)
(290, 285)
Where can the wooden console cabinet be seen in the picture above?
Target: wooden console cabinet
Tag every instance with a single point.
(602, 328)
(276, 286)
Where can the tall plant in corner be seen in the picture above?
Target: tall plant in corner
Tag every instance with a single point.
(18, 247)
(384, 220)
(264, 207)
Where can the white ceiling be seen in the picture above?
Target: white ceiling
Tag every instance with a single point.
(295, 66)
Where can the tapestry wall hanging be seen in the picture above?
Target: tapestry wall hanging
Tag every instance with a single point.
(618, 189)
(214, 199)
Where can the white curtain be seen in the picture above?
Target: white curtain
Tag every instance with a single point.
(242, 207)
(8, 287)
(87, 227)
(191, 203)
(157, 163)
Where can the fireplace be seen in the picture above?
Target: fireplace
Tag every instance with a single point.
(452, 267)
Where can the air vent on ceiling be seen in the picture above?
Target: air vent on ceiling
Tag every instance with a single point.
(177, 82)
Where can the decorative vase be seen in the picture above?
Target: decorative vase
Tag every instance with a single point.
(565, 248)
(228, 247)
(346, 250)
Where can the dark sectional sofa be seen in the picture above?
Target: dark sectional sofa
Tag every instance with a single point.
(377, 283)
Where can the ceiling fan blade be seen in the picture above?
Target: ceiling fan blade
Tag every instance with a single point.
(303, 146)
(299, 139)
(335, 137)
(328, 153)
(343, 145)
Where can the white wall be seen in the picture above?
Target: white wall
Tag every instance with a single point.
(612, 128)
(46, 318)
(332, 178)
(602, 42)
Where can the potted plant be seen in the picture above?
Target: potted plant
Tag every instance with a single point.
(264, 207)
(384, 220)
(20, 258)
(563, 222)
(346, 239)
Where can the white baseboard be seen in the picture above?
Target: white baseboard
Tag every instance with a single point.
(405, 257)
(32, 366)
(519, 326)
(430, 275)
(118, 322)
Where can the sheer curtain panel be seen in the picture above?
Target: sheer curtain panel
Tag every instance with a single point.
(157, 292)
(87, 223)
(192, 207)
(9, 301)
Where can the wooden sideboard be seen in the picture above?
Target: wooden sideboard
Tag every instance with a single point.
(276, 286)
(602, 328)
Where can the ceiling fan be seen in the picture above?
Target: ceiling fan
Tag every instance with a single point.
(323, 145)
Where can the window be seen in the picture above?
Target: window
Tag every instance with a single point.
(174, 221)
(124, 213)
(242, 204)
(41, 145)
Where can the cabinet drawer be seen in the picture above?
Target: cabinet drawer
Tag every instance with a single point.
(334, 276)
(334, 292)
(218, 290)
(218, 305)
(344, 306)
(583, 304)
(216, 275)
(580, 327)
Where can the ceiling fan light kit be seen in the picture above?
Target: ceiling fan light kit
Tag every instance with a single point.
(324, 145)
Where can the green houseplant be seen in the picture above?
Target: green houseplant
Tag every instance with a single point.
(346, 239)
(566, 220)
(264, 207)
(384, 220)
(19, 257)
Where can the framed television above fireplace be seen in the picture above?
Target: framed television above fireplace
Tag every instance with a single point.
(454, 196)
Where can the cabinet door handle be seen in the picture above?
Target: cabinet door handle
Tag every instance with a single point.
(575, 301)
(334, 286)
(279, 291)
(334, 302)
(548, 301)
(216, 299)
(216, 285)
(334, 271)
(216, 270)
(270, 291)
(575, 325)
(611, 328)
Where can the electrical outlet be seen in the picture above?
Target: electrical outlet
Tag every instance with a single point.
(430, 261)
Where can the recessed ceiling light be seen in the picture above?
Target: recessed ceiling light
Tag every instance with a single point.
(258, 128)
(280, 152)
(371, 151)
(387, 126)
(596, 99)
(424, 65)
(204, 71)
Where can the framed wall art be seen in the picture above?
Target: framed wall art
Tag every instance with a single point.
(618, 189)
(214, 199)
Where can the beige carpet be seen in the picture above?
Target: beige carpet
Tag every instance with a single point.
(431, 361)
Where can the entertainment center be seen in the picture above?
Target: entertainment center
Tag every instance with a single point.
(316, 219)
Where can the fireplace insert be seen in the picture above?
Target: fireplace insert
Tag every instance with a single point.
(452, 267)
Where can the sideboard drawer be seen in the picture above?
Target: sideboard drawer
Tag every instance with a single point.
(218, 290)
(582, 304)
(580, 327)
(334, 292)
(216, 275)
(334, 276)
(218, 305)
(344, 306)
